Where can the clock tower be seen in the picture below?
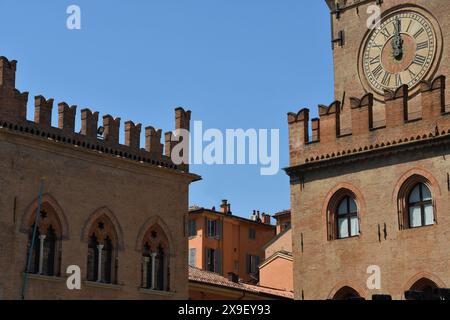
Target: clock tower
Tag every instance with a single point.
(370, 177)
(381, 45)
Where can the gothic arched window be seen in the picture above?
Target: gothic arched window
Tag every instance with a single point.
(46, 252)
(155, 260)
(102, 259)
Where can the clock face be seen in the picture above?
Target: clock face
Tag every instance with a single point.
(401, 51)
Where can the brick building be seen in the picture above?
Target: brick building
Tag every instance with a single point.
(370, 177)
(115, 210)
(224, 243)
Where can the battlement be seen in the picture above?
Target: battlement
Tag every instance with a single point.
(400, 125)
(103, 139)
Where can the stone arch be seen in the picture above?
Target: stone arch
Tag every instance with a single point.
(103, 211)
(48, 201)
(423, 275)
(348, 286)
(405, 184)
(148, 224)
(331, 201)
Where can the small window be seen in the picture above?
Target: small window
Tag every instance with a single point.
(252, 233)
(347, 218)
(420, 207)
(193, 257)
(192, 228)
(252, 263)
(213, 228)
(213, 260)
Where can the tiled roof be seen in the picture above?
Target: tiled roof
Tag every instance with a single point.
(199, 275)
(282, 213)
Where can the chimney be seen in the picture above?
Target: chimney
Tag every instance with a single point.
(224, 206)
(233, 277)
(266, 218)
(253, 216)
(258, 219)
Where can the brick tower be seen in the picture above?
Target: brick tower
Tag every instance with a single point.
(370, 176)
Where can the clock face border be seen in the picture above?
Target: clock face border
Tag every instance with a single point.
(378, 95)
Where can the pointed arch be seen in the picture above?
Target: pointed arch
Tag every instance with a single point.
(108, 214)
(48, 203)
(347, 287)
(148, 224)
(422, 277)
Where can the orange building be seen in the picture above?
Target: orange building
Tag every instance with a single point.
(276, 271)
(223, 243)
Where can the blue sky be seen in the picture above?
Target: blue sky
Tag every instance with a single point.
(234, 63)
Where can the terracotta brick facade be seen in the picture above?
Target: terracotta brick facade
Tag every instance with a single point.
(377, 167)
(93, 185)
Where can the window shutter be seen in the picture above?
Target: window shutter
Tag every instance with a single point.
(192, 257)
(206, 227)
(218, 229)
(218, 261)
(248, 263)
(206, 258)
(258, 259)
(194, 227)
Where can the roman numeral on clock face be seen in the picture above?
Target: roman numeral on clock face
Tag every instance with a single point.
(377, 71)
(398, 80)
(385, 32)
(386, 79)
(422, 45)
(376, 60)
(420, 60)
(418, 33)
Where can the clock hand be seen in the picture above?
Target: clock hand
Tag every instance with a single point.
(397, 43)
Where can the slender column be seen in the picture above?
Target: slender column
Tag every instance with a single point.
(153, 254)
(41, 252)
(99, 270)
(145, 261)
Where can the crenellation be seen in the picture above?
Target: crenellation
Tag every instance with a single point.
(89, 123)
(13, 109)
(362, 114)
(43, 111)
(168, 143)
(328, 142)
(298, 132)
(66, 117)
(111, 129)
(433, 98)
(330, 121)
(133, 135)
(396, 104)
(7, 73)
(182, 118)
(153, 141)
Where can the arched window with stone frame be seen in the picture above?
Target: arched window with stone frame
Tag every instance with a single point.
(155, 260)
(46, 253)
(416, 203)
(102, 257)
(343, 215)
